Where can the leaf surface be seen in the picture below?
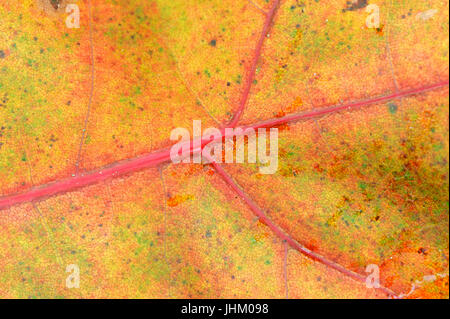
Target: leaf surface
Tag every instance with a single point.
(363, 149)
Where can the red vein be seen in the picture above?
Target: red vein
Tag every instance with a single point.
(284, 236)
(254, 63)
(163, 155)
(352, 105)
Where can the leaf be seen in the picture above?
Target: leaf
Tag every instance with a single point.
(85, 122)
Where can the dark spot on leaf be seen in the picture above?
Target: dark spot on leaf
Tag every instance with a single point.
(355, 5)
(55, 4)
(392, 107)
(380, 29)
(2, 54)
(213, 43)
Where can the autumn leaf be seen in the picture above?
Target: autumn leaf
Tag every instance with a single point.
(86, 116)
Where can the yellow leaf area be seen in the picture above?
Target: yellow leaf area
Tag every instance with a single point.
(156, 66)
(366, 187)
(133, 245)
(345, 187)
(319, 53)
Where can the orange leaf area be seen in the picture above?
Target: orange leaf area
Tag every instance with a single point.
(86, 116)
